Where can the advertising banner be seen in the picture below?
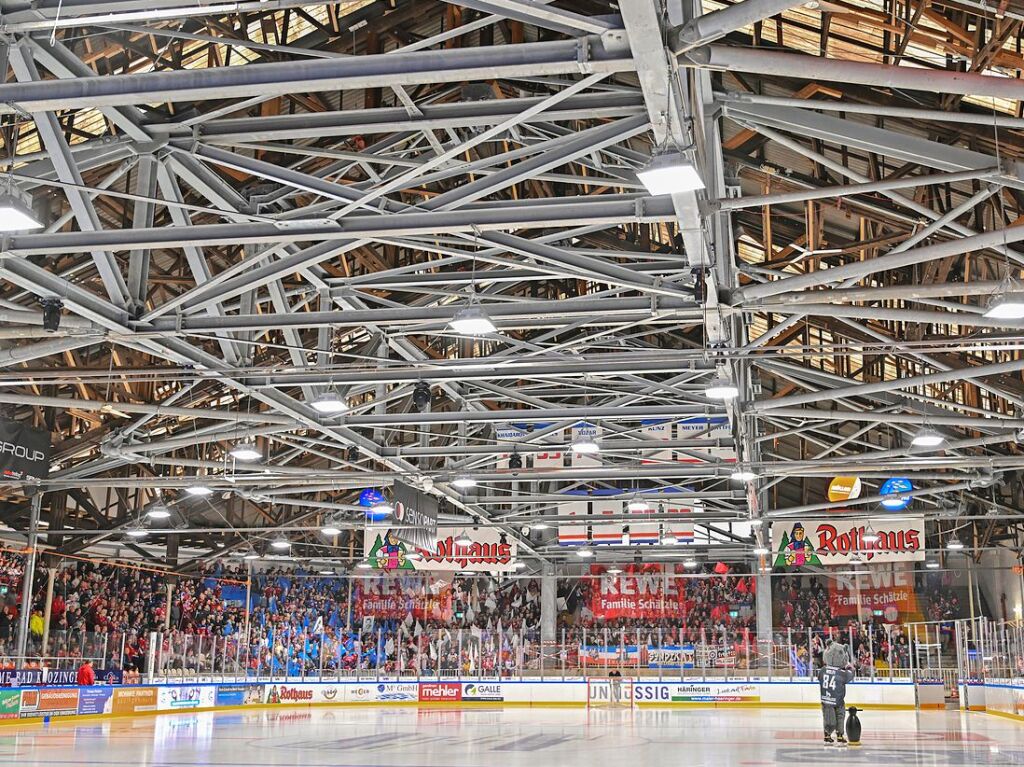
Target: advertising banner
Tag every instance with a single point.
(133, 700)
(490, 551)
(415, 516)
(49, 701)
(440, 691)
(69, 676)
(288, 693)
(382, 692)
(185, 697)
(844, 489)
(671, 656)
(572, 533)
(239, 694)
(24, 451)
(21, 677)
(611, 655)
(94, 700)
(553, 458)
(399, 597)
(716, 427)
(482, 691)
(657, 431)
(832, 541)
(10, 704)
(696, 693)
(884, 593)
(641, 591)
(611, 532)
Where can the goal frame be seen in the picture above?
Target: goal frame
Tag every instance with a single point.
(601, 692)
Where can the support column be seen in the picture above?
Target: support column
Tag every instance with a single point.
(548, 605)
(763, 607)
(51, 576)
(167, 612)
(30, 569)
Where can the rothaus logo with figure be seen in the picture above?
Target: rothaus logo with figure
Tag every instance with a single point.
(824, 542)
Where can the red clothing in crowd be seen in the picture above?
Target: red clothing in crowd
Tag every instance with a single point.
(86, 676)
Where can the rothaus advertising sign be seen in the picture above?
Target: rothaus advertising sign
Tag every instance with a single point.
(487, 551)
(819, 542)
(415, 516)
(24, 451)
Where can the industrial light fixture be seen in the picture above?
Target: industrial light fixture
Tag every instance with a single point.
(158, 511)
(668, 538)
(636, 503)
(281, 544)
(15, 213)
(927, 438)
(326, 572)
(954, 543)
(756, 523)
(1008, 306)
(722, 388)
(870, 536)
(421, 396)
(329, 403)
(199, 490)
(519, 565)
(413, 556)
(251, 554)
(382, 508)
(363, 565)
(246, 451)
(584, 552)
(463, 539)
(464, 482)
(330, 528)
(540, 526)
(760, 551)
(136, 531)
(741, 474)
(472, 320)
(932, 564)
(585, 445)
(856, 559)
(690, 564)
(51, 313)
(614, 570)
(670, 172)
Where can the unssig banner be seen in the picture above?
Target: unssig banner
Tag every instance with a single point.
(818, 542)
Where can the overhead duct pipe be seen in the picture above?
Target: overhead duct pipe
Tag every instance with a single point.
(716, 24)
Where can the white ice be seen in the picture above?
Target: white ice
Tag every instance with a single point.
(408, 737)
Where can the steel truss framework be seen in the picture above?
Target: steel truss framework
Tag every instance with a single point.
(247, 209)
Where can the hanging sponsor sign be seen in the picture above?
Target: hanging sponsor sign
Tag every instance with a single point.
(24, 451)
(657, 431)
(844, 489)
(489, 551)
(400, 597)
(369, 498)
(716, 427)
(887, 592)
(641, 591)
(893, 491)
(831, 541)
(553, 458)
(572, 533)
(415, 516)
(609, 533)
(49, 701)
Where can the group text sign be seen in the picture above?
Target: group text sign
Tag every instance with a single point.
(832, 541)
(24, 451)
(488, 551)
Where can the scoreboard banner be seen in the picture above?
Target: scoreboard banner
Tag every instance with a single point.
(820, 542)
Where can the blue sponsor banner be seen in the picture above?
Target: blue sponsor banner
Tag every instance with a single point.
(231, 695)
(93, 700)
(671, 656)
(892, 490)
(69, 676)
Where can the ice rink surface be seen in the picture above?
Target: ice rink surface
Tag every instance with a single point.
(408, 737)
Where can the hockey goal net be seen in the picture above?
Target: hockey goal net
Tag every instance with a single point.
(610, 692)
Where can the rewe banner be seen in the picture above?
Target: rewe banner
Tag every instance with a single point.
(886, 593)
(641, 592)
(832, 541)
(489, 551)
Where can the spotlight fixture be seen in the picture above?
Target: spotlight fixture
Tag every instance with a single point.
(637, 504)
(870, 536)
(382, 508)
(421, 396)
(585, 553)
(1008, 306)
(932, 564)
(281, 544)
(927, 438)
(472, 320)
(463, 539)
(668, 538)
(136, 531)
(671, 172)
(330, 529)
(15, 213)
(51, 313)
(690, 564)
(246, 451)
(198, 490)
(722, 388)
(614, 570)
(464, 482)
(586, 445)
(352, 454)
(540, 526)
(954, 543)
(158, 511)
(741, 474)
(329, 403)
(515, 462)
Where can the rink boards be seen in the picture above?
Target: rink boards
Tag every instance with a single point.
(53, 703)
